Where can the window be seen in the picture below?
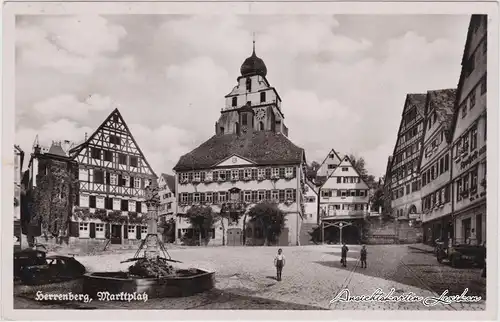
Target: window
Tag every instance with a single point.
(137, 182)
(473, 180)
(464, 109)
(234, 175)
(234, 101)
(108, 155)
(124, 205)
(441, 166)
(262, 173)
(134, 161)
(247, 195)
(100, 202)
(221, 130)
(144, 230)
(289, 172)
(98, 176)
(196, 177)
(84, 200)
(326, 193)
(208, 197)
(262, 97)
(83, 227)
(99, 231)
(247, 173)
(196, 197)
(466, 184)
(122, 158)
(138, 207)
(261, 195)
(131, 205)
(249, 84)
(472, 98)
(222, 196)
(275, 172)
(275, 195)
(331, 166)
(113, 139)
(446, 162)
(113, 179)
(466, 143)
(483, 85)
(222, 176)
(96, 153)
(131, 232)
(473, 139)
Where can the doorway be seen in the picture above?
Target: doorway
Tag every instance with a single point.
(116, 234)
(466, 230)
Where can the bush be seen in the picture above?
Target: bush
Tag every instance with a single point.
(152, 268)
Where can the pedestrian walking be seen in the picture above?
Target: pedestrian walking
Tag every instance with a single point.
(344, 251)
(279, 263)
(363, 256)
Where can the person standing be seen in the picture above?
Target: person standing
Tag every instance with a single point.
(363, 256)
(344, 251)
(279, 263)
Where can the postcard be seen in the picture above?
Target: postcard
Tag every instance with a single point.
(250, 160)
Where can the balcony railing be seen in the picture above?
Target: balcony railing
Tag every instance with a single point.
(344, 213)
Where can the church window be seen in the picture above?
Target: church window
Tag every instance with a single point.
(134, 162)
(262, 97)
(221, 130)
(261, 126)
(249, 84)
(234, 101)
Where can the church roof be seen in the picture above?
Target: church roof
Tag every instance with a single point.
(253, 65)
(170, 180)
(262, 148)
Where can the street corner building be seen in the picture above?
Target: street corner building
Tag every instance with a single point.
(469, 139)
(109, 174)
(249, 160)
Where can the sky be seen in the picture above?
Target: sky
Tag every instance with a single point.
(343, 79)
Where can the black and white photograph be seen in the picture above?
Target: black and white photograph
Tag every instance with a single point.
(252, 160)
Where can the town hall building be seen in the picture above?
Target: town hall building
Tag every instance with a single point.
(249, 160)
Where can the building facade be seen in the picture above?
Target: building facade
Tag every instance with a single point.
(469, 139)
(329, 164)
(387, 208)
(405, 179)
(344, 197)
(311, 203)
(167, 210)
(435, 166)
(247, 161)
(18, 166)
(113, 174)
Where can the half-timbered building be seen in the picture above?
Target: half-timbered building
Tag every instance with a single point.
(435, 166)
(344, 202)
(249, 160)
(113, 173)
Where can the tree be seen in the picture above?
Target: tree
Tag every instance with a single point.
(54, 197)
(270, 218)
(359, 164)
(201, 219)
(311, 170)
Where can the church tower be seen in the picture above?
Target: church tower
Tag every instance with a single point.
(253, 105)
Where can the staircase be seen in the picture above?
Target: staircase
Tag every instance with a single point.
(305, 229)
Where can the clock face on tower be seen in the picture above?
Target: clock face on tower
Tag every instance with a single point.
(260, 114)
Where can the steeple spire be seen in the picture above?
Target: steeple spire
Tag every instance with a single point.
(254, 43)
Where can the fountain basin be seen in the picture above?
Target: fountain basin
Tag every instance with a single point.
(184, 283)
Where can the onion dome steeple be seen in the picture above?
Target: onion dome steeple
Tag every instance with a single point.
(253, 65)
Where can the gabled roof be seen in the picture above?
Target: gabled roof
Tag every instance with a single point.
(326, 158)
(261, 147)
(346, 158)
(77, 149)
(443, 103)
(170, 180)
(474, 19)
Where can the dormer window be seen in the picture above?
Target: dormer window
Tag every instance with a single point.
(234, 101)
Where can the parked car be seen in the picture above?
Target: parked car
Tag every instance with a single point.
(27, 257)
(54, 269)
(458, 254)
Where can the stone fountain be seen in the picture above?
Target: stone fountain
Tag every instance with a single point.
(151, 272)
